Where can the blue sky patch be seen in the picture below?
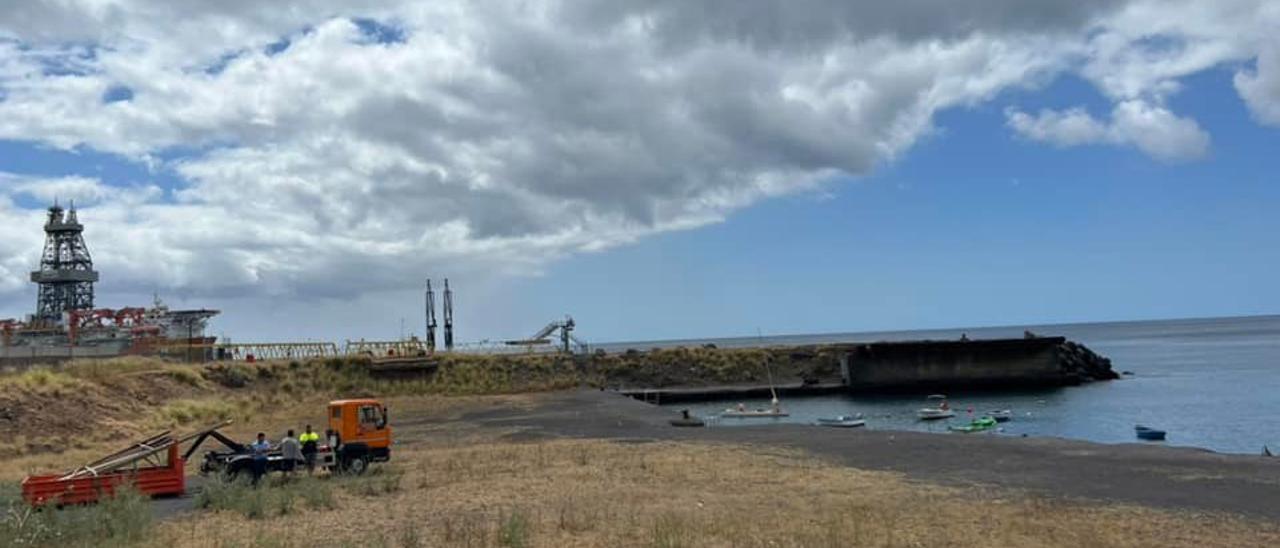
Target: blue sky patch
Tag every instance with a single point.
(277, 46)
(380, 33)
(116, 94)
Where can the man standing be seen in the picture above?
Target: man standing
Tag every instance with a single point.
(290, 453)
(260, 448)
(310, 445)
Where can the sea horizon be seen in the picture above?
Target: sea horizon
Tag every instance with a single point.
(941, 332)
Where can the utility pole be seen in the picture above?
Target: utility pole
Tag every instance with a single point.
(448, 316)
(431, 318)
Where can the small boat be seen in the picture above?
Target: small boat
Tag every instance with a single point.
(751, 413)
(741, 411)
(933, 414)
(941, 411)
(1001, 415)
(774, 410)
(1148, 433)
(977, 425)
(685, 419)
(843, 421)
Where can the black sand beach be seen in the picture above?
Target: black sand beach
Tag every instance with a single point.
(1158, 476)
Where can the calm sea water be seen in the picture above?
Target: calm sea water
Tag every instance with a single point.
(1211, 383)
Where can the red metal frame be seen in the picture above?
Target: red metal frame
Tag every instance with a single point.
(6, 330)
(155, 481)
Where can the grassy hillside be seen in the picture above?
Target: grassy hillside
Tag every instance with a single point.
(82, 405)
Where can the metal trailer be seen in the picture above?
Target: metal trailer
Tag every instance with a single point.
(153, 466)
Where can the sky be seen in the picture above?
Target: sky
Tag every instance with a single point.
(661, 169)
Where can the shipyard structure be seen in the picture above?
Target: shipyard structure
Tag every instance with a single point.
(66, 325)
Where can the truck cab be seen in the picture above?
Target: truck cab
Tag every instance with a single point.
(363, 433)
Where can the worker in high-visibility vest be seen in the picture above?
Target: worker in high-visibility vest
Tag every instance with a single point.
(310, 445)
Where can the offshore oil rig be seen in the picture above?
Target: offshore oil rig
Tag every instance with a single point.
(66, 325)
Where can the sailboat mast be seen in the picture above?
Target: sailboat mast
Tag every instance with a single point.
(767, 371)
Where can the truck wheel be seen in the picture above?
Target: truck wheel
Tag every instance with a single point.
(232, 473)
(357, 465)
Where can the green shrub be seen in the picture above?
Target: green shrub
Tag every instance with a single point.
(185, 411)
(410, 536)
(513, 531)
(378, 481)
(277, 497)
(316, 494)
(123, 519)
(185, 375)
(671, 531)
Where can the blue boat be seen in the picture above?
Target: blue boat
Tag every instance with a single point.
(1148, 433)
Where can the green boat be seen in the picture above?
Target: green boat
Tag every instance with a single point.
(978, 425)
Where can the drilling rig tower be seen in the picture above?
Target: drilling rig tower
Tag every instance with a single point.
(66, 274)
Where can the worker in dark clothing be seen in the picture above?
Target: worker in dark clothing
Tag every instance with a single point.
(290, 453)
(310, 445)
(260, 448)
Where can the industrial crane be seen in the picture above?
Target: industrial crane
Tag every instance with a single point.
(567, 340)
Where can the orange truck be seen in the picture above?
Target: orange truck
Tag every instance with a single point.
(362, 435)
(359, 434)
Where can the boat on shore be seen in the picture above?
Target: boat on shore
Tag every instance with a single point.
(843, 421)
(941, 410)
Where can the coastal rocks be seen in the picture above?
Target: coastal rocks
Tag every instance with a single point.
(1081, 364)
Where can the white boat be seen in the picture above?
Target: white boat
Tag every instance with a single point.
(741, 411)
(843, 421)
(941, 411)
(774, 409)
(1001, 415)
(752, 413)
(933, 414)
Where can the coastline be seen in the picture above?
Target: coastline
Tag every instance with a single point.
(1150, 475)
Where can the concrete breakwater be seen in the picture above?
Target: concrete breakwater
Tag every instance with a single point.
(994, 363)
(707, 373)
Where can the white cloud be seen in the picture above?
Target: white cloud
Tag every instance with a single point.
(1152, 129)
(1072, 127)
(1260, 88)
(495, 138)
(1158, 132)
(74, 190)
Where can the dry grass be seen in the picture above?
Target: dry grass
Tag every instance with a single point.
(455, 484)
(599, 493)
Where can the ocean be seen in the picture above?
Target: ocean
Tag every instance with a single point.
(1211, 383)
